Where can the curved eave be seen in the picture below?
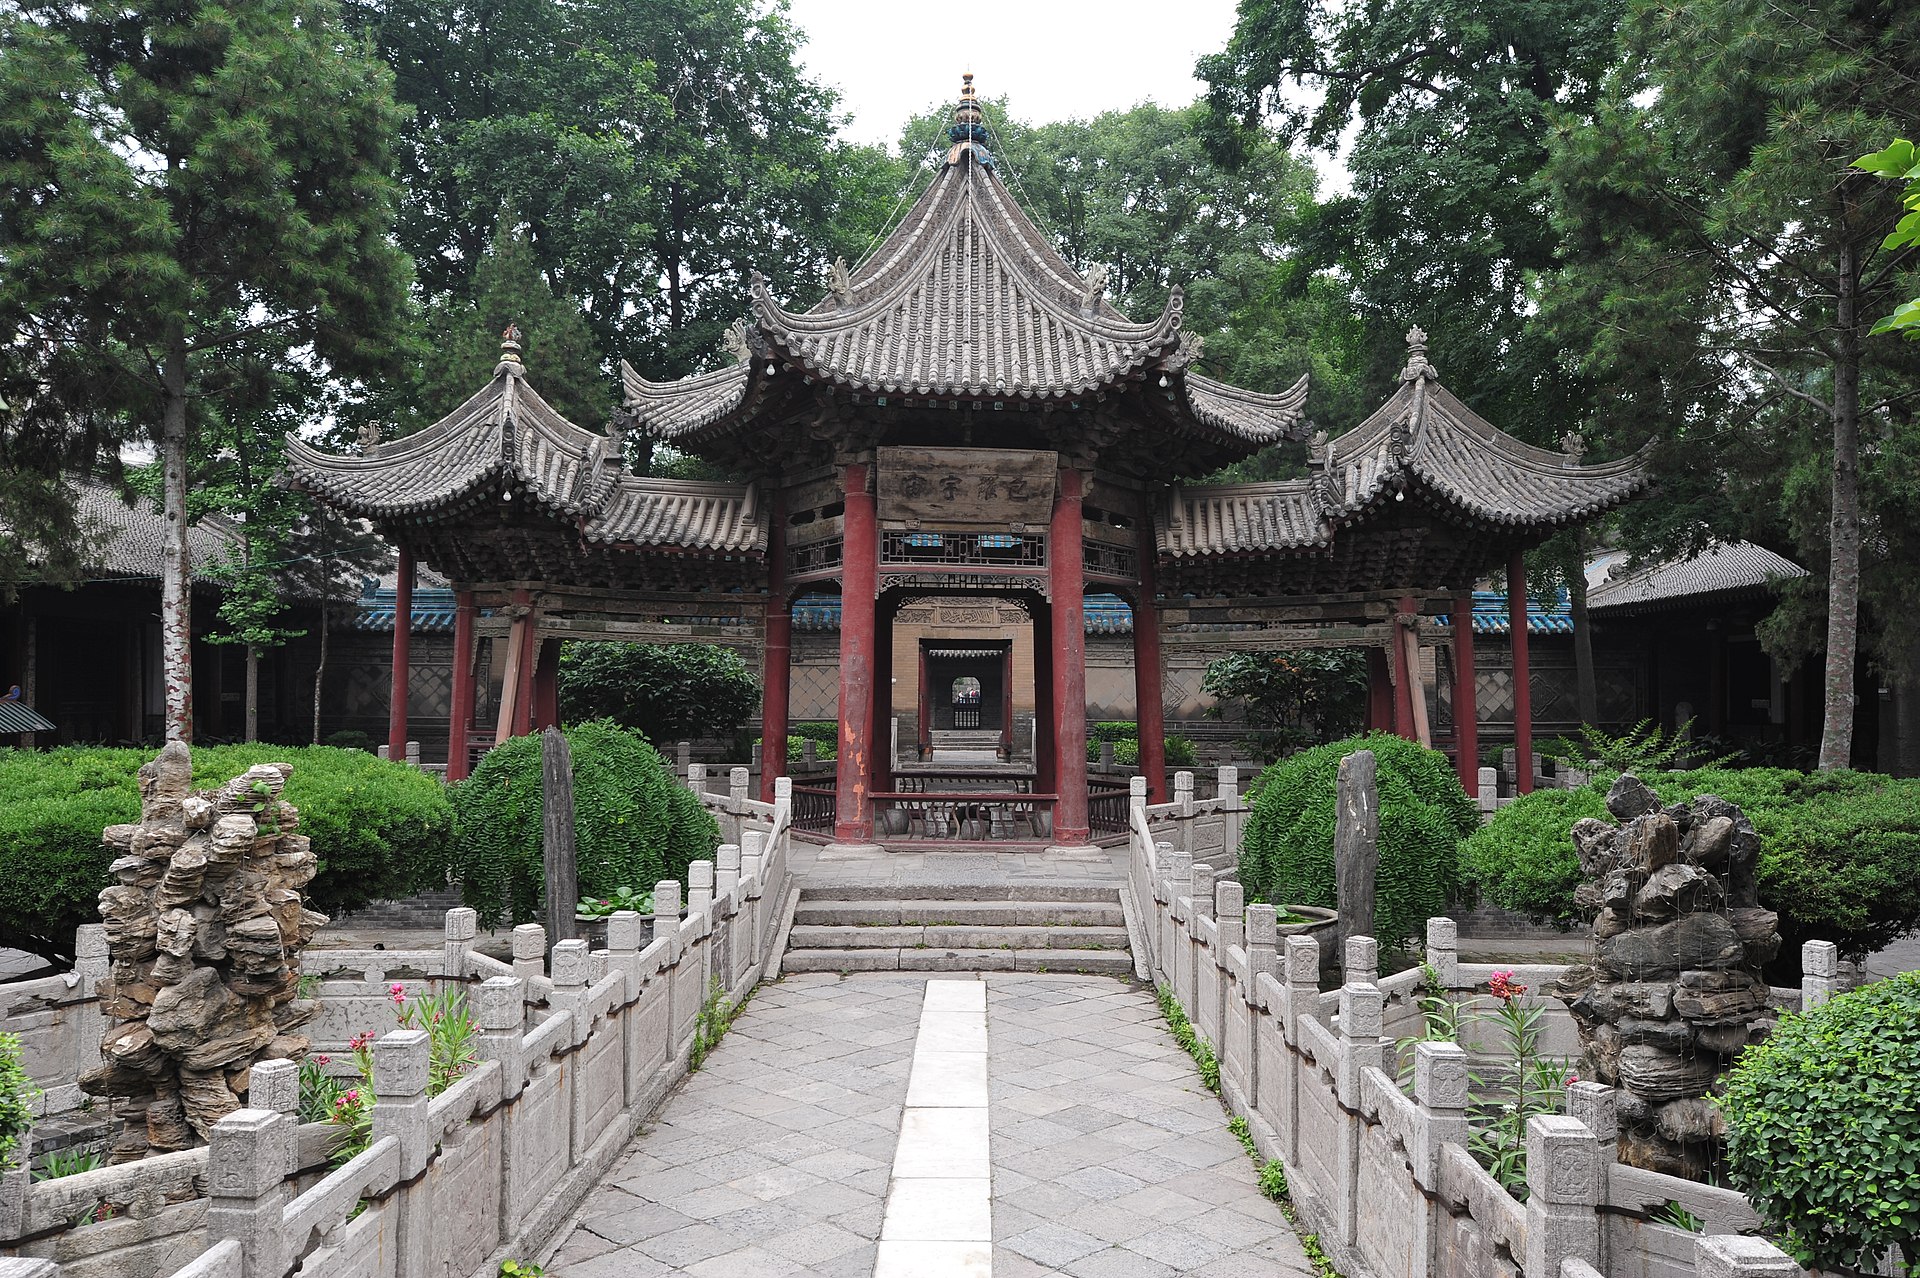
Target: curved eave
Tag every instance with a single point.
(674, 410)
(681, 516)
(1241, 520)
(1247, 417)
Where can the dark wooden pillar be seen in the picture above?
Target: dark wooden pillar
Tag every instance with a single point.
(1379, 691)
(546, 686)
(923, 726)
(1067, 583)
(880, 774)
(776, 668)
(1405, 681)
(1006, 702)
(1716, 679)
(859, 579)
(1466, 711)
(1149, 697)
(402, 657)
(460, 715)
(519, 638)
(1522, 673)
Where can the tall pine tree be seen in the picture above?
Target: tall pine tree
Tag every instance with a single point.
(182, 186)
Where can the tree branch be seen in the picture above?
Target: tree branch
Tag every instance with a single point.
(1787, 386)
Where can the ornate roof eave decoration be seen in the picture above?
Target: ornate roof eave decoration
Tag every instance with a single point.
(503, 442)
(1254, 416)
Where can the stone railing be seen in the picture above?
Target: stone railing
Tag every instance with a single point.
(57, 1020)
(576, 1049)
(1385, 1177)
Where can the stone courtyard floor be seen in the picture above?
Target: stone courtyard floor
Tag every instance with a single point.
(843, 1128)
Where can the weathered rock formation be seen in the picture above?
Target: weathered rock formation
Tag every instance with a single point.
(205, 924)
(1674, 992)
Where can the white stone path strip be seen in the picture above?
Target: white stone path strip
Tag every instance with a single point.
(939, 1216)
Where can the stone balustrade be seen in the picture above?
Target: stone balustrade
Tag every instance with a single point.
(1385, 1177)
(576, 1048)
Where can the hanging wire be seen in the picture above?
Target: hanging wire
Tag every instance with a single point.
(910, 188)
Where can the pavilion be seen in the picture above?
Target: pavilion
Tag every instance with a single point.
(963, 414)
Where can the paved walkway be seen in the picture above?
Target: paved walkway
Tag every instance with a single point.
(800, 1149)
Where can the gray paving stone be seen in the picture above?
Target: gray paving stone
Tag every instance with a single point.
(1053, 1245)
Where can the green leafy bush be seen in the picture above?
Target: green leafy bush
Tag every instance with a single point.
(1839, 851)
(825, 735)
(1287, 855)
(665, 692)
(1179, 751)
(1823, 1127)
(1289, 699)
(635, 823)
(378, 828)
(17, 1094)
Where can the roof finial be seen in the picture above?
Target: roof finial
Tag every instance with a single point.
(841, 282)
(1574, 445)
(1417, 365)
(968, 132)
(510, 349)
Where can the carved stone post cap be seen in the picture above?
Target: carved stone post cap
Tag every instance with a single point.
(247, 1155)
(570, 963)
(1440, 1075)
(1137, 787)
(700, 875)
(400, 1063)
(1741, 1256)
(529, 941)
(1563, 1161)
(783, 787)
(1263, 923)
(1596, 1105)
(666, 898)
(1303, 960)
(1362, 1011)
(1229, 899)
(1442, 933)
(502, 1002)
(1183, 781)
(90, 941)
(1820, 958)
(463, 923)
(274, 1085)
(727, 856)
(1362, 955)
(625, 931)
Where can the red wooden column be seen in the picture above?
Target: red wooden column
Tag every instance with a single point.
(1522, 673)
(1379, 690)
(461, 716)
(1045, 775)
(859, 580)
(776, 668)
(1006, 703)
(402, 658)
(1149, 697)
(1067, 578)
(1466, 712)
(923, 720)
(546, 686)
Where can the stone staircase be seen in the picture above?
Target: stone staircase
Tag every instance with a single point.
(1004, 927)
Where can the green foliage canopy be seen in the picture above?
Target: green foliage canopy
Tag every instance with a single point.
(378, 828)
(1823, 1127)
(635, 823)
(1286, 857)
(1289, 699)
(666, 692)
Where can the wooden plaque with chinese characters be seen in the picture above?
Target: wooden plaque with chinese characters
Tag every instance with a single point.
(966, 487)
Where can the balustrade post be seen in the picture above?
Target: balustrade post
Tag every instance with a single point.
(726, 868)
(1302, 982)
(570, 985)
(666, 914)
(1232, 810)
(1229, 911)
(1819, 973)
(503, 1011)
(1263, 938)
(1489, 796)
(1440, 1083)
(699, 887)
(529, 951)
(1564, 1192)
(246, 1189)
(1741, 1256)
(1362, 1017)
(463, 928)
(275, 1086)
(1443, 951)
(1362, 960)
(402, 1068)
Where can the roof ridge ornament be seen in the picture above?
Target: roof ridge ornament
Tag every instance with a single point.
(968, 132)
(369, 437)
(840, 280)
(1093, 287)
(1574, 445)
(734, 342)
(1418, 365)
(510, 361)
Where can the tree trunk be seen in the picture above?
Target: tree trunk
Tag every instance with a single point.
(1588, 690)
(176, 600)
(320, 671)
(253, 693)
(1843, 570)
(676, 299)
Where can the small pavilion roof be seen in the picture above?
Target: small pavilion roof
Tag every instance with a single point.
(1423, 442)
(1724, 569)
(507, 447)
(967, 300)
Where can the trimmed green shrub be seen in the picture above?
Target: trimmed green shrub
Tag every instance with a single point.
(634, 822)
(1839, 851)
(1823, 1127)
(666, 692)
(1287, 855)
(378, 828)
(17, 1094)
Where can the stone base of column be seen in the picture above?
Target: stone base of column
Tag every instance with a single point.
(840, 848)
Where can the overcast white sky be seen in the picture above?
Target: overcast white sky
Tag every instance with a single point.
(1052, 59)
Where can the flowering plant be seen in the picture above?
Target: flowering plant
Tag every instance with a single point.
(450, 1032)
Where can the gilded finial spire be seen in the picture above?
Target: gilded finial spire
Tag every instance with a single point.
(968, 132)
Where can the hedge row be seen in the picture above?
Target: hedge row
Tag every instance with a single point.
(379, 829)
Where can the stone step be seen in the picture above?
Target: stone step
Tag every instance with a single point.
(954, 894)
(966, 913)
(938, 959)
(811, 937)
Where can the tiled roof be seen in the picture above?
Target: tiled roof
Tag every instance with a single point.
(1490, 615)
(16, 716)
(1722, 568)
(1254, 416)
(506, 445)
(433, 611)
(669, 410)
(1422, 443)
(130, 538)
(966, 297)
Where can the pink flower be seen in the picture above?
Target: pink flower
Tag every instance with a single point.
(1572, 1079)
(1502, 985)
(399, 992)
(360, 1041)
(322, 1058)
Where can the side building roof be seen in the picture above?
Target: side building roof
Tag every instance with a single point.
(1723, 570)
